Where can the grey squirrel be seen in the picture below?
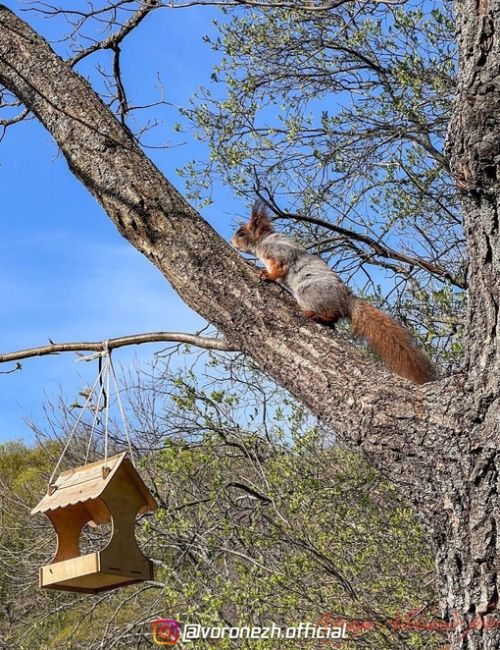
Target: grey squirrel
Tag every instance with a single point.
(325, 298)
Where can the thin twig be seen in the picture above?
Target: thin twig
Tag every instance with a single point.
(377, 247)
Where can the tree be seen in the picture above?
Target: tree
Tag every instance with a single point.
(437, 442)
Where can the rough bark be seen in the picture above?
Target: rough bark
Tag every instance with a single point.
(468, 553)
(437, 441)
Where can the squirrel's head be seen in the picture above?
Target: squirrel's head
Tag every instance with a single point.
(247, 237)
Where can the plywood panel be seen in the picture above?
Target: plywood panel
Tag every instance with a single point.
(86, 574)
(67, 569)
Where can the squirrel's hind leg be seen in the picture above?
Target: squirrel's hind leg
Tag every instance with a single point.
(326, 317)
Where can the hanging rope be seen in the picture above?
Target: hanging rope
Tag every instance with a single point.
(106, 371)
(106, 415)
(122, 411)
(73, 431)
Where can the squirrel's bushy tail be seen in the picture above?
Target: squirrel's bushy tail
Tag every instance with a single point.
(391, 341)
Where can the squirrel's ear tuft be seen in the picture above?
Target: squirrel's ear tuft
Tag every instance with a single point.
(259, 219)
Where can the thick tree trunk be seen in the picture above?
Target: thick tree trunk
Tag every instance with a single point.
(468, 555)
(466, 558)
(439, 441)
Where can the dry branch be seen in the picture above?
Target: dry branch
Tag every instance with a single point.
(205, 342)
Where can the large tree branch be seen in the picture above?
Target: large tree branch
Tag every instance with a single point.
(387, 416)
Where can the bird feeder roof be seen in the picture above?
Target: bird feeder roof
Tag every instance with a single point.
(87, 482)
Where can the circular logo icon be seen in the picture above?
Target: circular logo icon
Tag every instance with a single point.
(166, 631)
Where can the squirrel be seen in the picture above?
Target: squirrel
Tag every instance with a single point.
(324, 298)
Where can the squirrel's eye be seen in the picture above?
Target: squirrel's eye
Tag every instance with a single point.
(240, 233)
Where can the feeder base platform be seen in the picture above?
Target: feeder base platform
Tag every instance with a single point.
(86, 574)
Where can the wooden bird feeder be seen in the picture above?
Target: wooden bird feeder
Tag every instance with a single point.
(107, 491)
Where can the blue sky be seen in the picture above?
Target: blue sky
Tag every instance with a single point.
(65, 272)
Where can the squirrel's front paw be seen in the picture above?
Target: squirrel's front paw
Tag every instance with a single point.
(264, 275)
